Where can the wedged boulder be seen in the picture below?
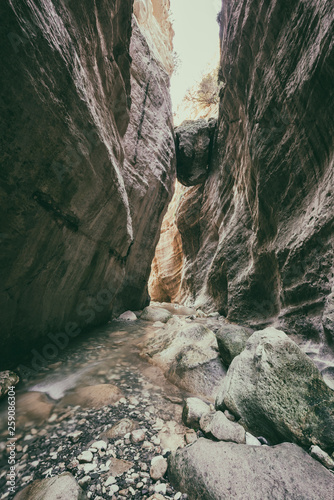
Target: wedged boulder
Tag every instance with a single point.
(188, 355)
(208, 470)
(63, 487)
(220, 427)
(278, 392)
(153, 313)
(7, 379)
(231, 341)
(193, 147)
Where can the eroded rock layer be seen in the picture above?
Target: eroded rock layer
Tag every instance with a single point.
(258, 236)
(76, 188)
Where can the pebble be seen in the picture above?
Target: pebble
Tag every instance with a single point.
(158, 467)
(138, 436)
(161, 488)
(85, 457)
(75, 436)
(110, 480)
(100, 445)
(87, 468)
(113, 489)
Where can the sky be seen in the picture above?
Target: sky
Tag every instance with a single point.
(196, 41)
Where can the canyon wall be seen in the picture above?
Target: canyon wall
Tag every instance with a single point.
(79, 175)
(258, 235)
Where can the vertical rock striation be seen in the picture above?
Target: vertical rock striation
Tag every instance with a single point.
(74, 199)
(258, 236)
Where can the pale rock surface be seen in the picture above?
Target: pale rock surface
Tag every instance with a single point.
(153, 313)
(216, 424)
(188, 356)
(193, 411)
(278, 392)
(33, 407)
(167, 266)
(63, 487)
(322, 457)
(209, 470)
(158, 467)
(252, 440)
(128, 316)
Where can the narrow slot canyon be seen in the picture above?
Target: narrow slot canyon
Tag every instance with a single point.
(166, 250)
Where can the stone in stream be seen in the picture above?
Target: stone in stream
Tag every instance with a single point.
(154, 314)
(121, 428)
(278, 392)
(231, 341)
(63, 487)
(193, 410)
(188, 355)
(7, 380)
(208, 470)
(33, 406)
(216, 424)
(128, 316)
(85, 457)
(94, 396)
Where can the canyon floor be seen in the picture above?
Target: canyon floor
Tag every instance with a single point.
(100, 413)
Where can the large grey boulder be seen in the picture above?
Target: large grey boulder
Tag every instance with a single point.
(232, 341)
(63, 487)
(193, 148)
(208, 470)
(188, 355)
(278, 392)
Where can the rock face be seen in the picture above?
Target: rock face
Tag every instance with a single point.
(258, 235)
(193, 151)
(167, 266)
(212, 471)
(278, 392)
(7, 380)
(78, 189)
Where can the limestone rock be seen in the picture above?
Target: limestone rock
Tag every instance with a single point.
(212, 471)
(258, 236)
(155, 314)
(252, 440)
(193, 151)
(231, 341)
(7, 379)
(121, 428)
(79, 189)
(193, 411)
(278, 392)
(167, 266)
(137, 436)
(216, 424)
(188, 355)
(322, 457)
(128, 316)
(158, 467)
(63, 487)
(93, 396)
